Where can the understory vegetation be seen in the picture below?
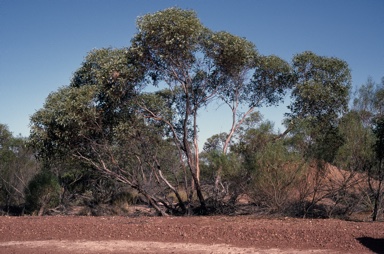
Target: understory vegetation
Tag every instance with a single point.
(124, 133)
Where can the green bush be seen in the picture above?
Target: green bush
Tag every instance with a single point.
(275, 175)
(43, 192)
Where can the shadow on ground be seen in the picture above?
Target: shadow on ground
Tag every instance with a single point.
(375, 245)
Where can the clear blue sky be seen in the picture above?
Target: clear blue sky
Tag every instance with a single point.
(43, 42)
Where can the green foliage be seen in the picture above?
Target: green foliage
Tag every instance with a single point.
(369, 101)
(319, 97)
(379, 98)
(364, 101)
(6, 145)
(5, 135)
(356, 152)
(313, 142)
(231, 54)
(268, 169)
(103, 128)
(378, 130)
(321, 91)
(116, 76)
(376, 173)
(168, 39)
(68, 115)
(43, 192)
(112, 70)
(17, 167)
(270, 81)
(230, 165)
(161, 105)
(215, 143)
(253, 141)
(276, 173)
(363, 149)
(362, 127)
(327, 144)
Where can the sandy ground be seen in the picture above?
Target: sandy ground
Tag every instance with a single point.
(215, 234)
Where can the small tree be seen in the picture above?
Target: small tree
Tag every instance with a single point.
(319, 97)
(43, 192)
(273, 169)
(368, 104)
(376, 173)
(271, 78)
(72, 124)
(17, 167)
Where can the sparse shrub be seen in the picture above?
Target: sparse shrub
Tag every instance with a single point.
(275, 177)
(125, 198)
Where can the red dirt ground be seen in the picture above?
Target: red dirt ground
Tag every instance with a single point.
(216, 234)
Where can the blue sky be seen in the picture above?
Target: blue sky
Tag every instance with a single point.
(43, 42)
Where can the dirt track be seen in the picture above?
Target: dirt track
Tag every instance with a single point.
(218, 234)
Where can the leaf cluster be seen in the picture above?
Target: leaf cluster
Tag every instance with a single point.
(321, 88)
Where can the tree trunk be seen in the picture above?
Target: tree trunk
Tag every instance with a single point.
(153, 204)
(179, 199)
(377, 201)
(378, 191)
(193, 166)
(375, 209)
(43, 206)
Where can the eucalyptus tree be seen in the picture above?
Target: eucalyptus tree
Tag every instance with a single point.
(96, 122)
(357, 127)
(361, 151)
(319, 97)
(196, 64)
(377, 171)
(321, 87)
(200, 65)
(356, 153)
(169, 43)
(271, 77)
(192, 66)
(369, 100)
(369, 106)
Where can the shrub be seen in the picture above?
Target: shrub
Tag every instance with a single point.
(275, 175)
(43, 192)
